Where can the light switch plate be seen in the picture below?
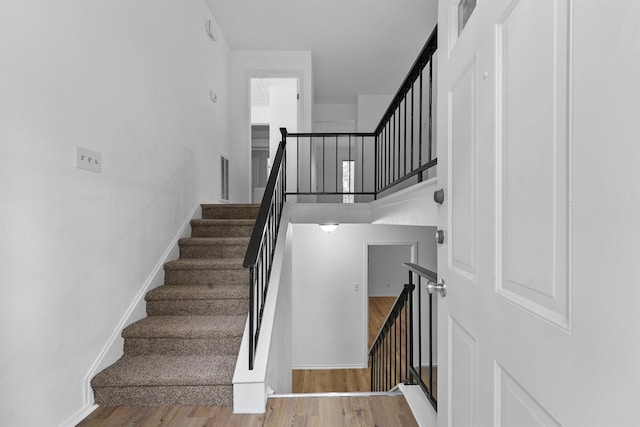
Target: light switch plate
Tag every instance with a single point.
(88, 160)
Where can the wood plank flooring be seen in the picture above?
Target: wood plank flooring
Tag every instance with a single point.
(379, 308)
(330, 380)
(299, 411)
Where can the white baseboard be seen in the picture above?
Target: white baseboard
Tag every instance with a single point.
(113, 349)
(75, 419)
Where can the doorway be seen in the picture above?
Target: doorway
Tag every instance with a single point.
(274, 105)
(386, 276)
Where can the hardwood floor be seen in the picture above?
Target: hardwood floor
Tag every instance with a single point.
(379, 308)
(299, 411)
(331, 380)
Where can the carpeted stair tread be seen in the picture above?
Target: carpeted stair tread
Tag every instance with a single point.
(197, 292)
(222, 227)
(186, 327)
(237, 211)
(164, 370)
(213, 247)
(205, 264)
(222, 222)
(206, 241)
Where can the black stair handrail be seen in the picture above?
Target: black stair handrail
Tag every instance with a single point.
(396, 151)
(388, 171)
(421, 61)
(262, 244)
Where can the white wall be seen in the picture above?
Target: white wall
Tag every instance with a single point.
(370, 109)
(278, 372)
(127, 79)
(329, 317)
(334, 118)
(386, 271)
(244, 66)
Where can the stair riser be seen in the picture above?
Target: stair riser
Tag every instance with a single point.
(222, 307)
(216, 395)
(213, 251)
(206, 277)
(181, 347)
(221, 230)
(227, 212)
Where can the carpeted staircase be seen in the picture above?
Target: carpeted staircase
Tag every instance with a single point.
(184, 352)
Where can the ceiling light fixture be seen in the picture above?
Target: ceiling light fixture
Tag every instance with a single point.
(328, 227)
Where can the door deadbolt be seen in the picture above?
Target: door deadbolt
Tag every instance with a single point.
(438, 196)
(440, 236)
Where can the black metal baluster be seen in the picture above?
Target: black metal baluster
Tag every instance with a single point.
(405, 135)
(324, 171)
(395, 352)
(298, 165)
(410, 325)
(348, 189)
(399, 129)
(393, 148)
(431, 344)
(251, 317)
(420, 130)
(362, 189)
(430, 157)
(336, 163)
(419, 329)
(376, 174)
(412, 123)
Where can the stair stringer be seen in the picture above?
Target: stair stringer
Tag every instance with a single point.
(273, 363)
(114, 347)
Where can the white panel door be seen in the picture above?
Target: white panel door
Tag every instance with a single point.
(538, 153)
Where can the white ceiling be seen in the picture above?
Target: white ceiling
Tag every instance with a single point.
(357, 46)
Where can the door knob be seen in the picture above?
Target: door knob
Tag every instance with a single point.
(439, 287)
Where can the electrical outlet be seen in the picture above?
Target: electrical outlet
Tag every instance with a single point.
(88, 160)
(356, 287)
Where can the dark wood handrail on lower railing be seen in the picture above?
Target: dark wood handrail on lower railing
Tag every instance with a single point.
(396, 354)
(262, 245)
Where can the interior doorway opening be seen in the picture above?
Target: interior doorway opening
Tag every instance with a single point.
(385, 274)
(274, 105)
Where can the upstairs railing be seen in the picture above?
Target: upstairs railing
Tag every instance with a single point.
(353, 167)
(399, 352)
(350, 166)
